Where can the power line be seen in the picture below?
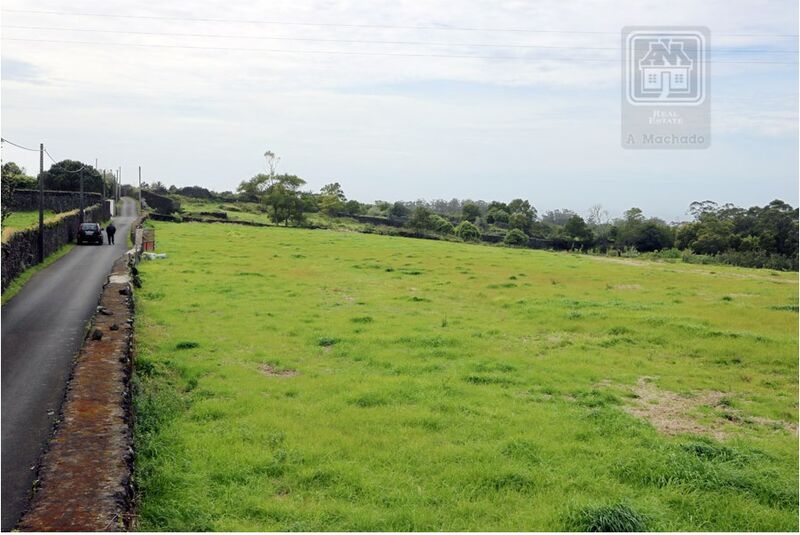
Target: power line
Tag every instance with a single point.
(4, 140)
(56, 164)
(343, 25)
(355, 53)
(362, 41)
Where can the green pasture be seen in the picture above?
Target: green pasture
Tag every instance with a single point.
(23, 220)
(290, 379)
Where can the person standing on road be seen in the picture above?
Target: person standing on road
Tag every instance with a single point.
(110, 231)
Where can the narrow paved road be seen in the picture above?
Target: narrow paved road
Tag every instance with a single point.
(42, 329)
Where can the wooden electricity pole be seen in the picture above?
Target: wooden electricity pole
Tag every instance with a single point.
(140, 189)
(81, 180)
(41, 202)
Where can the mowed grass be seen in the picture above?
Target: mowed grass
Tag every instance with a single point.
(292, 379)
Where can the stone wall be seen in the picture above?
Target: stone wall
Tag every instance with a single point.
(160, 203)
(27, 200)
(21, 251)
(85, 481)
(377, 220)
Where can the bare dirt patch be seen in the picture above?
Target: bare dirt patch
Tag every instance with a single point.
(271, 371)
(673, 414)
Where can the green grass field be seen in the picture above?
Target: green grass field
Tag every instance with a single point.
(22, 220)
(292, 379)
(251, 212)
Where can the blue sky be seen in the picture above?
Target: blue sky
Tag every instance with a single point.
(543, 126)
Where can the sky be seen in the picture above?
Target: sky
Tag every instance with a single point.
(399, 100)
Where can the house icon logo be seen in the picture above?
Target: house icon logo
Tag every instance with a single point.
(665, 68)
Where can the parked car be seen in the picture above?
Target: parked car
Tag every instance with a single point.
(90, 233)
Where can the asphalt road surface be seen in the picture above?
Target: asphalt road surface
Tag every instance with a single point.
(43, 327)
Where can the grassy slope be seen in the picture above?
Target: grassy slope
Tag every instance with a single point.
(22, 220)
(250, 212)
(444, 386)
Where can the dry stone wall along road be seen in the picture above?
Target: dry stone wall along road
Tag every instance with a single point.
(43, 327)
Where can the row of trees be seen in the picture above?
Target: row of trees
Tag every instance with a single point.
(757, 236)
(62, 176)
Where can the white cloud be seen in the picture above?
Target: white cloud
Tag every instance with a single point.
(390, 126)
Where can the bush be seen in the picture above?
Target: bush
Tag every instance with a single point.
(516, 238)
(467, 231)
(441, 225)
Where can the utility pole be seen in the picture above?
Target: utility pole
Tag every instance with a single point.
(81, 177)
(140, 189)
(41, 202)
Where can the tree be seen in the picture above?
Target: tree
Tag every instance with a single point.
(158, 187)
(520, 206)
(6, 193)
(578, 231)
(516, 238)
(331, 199)
(467, 231)
(470, 212)
(399, 209)
(686, 234)
(497, 216)
(280, 195)
(197, 192)
(441, 225)
(283, 201)
(333, 189)
(557, 217)
(421, 219)
(66, 176)
(699, 208)
(496, 205)
(496, 212)
(252, 190)
(14, 177)
(271, 162)
(353, 207)
(634, 215)
(597, 216)
(520, 221)
(654, 235)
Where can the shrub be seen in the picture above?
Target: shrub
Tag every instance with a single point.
(516, 238)
(421, 219)
(467, 231)
(441, 225)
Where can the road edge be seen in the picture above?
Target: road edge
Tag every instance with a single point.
(85, 476)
